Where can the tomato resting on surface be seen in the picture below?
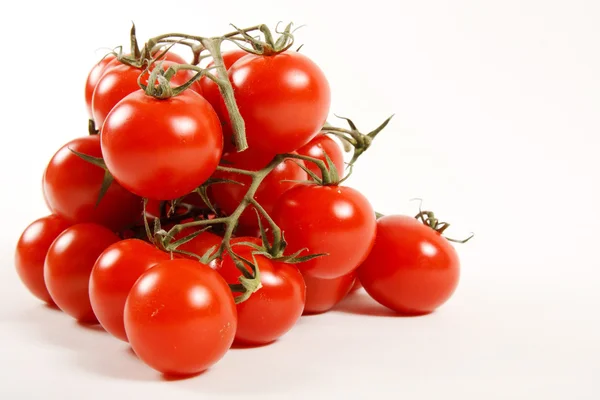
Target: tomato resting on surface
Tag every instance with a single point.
(71, 187)
(275, 308)
(323, 294)
(333, 220)
(68, 266)
(317, 148)
(162, 149)
(284, 100)
(113, 275)
(31, 251)
(180, 317)
(412, 269)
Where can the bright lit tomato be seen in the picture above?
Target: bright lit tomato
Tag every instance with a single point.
(180, 317)
(68, 266)
(412, 269)
(162, 149)
(72, 185)
(229, 195)
(275, 308)
(317, 148)
(31, 253)
(92, 80)
(112, 277)
(323, 294)
(284, 100)
(335, 220)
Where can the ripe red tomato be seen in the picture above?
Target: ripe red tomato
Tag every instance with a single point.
(113, 275)
(201, 244)
(323, 294)
(71, 188)
(68, 266)
(31, 253)
(92, 80)
(120, 80)
(284, 100)
(162, 149)
(229, 195)
(336, 220)
(317, 148)
(275, 308)
(412, 269)
(180, 317)
(357, 285)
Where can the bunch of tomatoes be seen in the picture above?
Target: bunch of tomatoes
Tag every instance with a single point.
(207, 206)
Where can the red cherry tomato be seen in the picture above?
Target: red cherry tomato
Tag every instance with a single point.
(229, 195)
(201, 244)
(162, 149)
(31, 253)
(180, 317)
(119, 81)
(357, 286)
(323, 294)
(412, 269)
(113, 275)
(335, 220)
(275, 308)
(317, 148)
(284, 100)
(92, 80)
(68, 266)
(72, 185)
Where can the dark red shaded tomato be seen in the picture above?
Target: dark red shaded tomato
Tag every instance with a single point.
(31, 251)
(68, 266)
(113, 276)
(92, 80)
(275, 308)
(357, 286)
(284, 100)
(180, 317)
(229, 195)
(412, 269)
(201, 244)
(162, 149)
(317, 148)
(71, 188)
(333, 220)
(323, 294)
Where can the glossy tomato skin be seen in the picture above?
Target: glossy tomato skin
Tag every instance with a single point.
(92, 80)
(31, 251)
(114, 273)
(120, 80)
(201, 244)
(180, 317)
(162, 149)
(284, 100)
(317, 148)
(334, 220)
(275, 308)
(229, 195)
(68, 266)
(412, 269)
(71, 187)
(324, 294)
(357, 285)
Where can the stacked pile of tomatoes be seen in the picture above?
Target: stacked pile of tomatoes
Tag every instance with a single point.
(95, 258)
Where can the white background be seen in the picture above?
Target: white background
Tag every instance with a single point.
(496, 127)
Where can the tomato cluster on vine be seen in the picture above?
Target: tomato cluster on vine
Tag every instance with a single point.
(207, 205)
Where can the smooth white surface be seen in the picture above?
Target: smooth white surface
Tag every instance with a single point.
(496, 127)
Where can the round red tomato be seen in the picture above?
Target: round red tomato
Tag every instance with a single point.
(335, 220)
(71, 188)
(357, 286)
(284, 100)
(317, 148)
(180, 317)
(275, 308)
(229, 195)
(68, 266)
(120, 80)
(31, 253)
(92, 80)
(201, 244)
(112, 277)
(162, 149)
(323, 294)
(412, 269)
